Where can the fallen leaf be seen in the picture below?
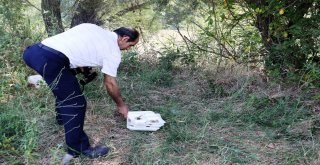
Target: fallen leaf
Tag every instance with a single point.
(271, 145)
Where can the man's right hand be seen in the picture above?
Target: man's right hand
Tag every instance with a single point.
(123, 110)
(113, 90)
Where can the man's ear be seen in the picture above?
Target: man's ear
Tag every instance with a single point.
(125, 38)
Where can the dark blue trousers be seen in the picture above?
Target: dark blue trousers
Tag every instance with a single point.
(70, 102)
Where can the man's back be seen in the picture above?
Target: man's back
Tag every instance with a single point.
(87, 45)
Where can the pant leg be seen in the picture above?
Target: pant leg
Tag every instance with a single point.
(69, 99)
(72, 105)
(58, 116)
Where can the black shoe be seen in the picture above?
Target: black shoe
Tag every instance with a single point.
(96, 151)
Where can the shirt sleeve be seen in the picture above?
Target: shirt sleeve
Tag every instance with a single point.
(110, 66)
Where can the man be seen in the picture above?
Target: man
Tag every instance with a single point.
(85, 45)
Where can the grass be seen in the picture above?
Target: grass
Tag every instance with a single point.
(19, 132)
(226, 116)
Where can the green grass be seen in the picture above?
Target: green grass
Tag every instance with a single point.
(19, 132)
(194, 133)
(207, 122)
(199, 130)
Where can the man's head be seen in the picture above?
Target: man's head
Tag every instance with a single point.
(127, 37)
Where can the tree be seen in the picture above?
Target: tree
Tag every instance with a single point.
(52, 16)
(131, 8)
(281, 25)
(87, 12)
(288, 45)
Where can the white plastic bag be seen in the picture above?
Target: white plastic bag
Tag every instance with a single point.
(35, 80)
(144, 121)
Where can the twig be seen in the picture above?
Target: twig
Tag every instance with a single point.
(184, 38)
(205, 49)
(33, 5)
(229, 54)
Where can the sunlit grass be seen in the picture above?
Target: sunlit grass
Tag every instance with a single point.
(222, 115)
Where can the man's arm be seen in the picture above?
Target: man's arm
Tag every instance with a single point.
(113, 90)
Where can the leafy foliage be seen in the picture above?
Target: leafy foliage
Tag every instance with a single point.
(282, 25)
(271, 33)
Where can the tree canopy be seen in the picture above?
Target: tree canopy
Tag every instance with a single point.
(270, 33)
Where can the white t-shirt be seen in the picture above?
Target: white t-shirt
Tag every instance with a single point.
(88, 45)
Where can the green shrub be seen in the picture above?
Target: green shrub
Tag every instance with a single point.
(158, 76)
(18, 133)
(130, 63)
(11, 130)
(311, 75)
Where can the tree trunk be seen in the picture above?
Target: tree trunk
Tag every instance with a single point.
(52, 16)
(87, 12)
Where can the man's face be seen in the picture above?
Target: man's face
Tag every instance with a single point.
(124, 44)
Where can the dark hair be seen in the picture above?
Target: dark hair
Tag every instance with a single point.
(133, 34)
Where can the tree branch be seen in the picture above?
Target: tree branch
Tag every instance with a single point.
(184, 38)
(33, 5)
(127, 10)
(229, 54)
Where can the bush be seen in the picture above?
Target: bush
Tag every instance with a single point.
(17, 133)
(130, 63)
